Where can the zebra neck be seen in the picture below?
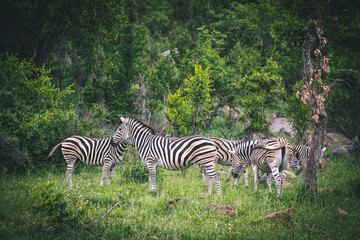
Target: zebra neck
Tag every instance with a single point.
(141, 142)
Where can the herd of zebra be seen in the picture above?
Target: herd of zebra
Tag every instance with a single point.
(272, 156)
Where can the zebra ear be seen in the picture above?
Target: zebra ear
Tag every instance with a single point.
(122, 119)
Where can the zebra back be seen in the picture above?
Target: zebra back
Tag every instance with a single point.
(223, 146)
(272, 152)
(91, 151)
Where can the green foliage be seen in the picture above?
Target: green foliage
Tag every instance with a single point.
(343, 104)
(138, 172)
(49, 204)
(298, 114)
(33, 118)
(260, 89)
(192, 103)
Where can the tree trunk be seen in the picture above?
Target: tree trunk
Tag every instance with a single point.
(315, 152)
(143, 92)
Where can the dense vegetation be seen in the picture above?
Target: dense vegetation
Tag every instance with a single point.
(69, 67)
(51, 210)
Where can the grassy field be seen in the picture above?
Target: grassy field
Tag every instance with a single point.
(53, 211)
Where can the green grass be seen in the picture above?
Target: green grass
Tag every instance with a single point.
(145, 215)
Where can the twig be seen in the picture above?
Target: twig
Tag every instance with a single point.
(108, 211)
(292, 227)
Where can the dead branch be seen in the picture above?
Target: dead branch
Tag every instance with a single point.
(167, 126)
(108, 211)
(143, 92)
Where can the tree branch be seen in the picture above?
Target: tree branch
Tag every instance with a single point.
(167, 126)
(108, 212)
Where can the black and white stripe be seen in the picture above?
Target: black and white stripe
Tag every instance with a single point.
(301, 154)
(172, 154)
(272, 156)
(93, 152)
(225, 146)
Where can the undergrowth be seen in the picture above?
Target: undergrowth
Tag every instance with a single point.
(41, 206)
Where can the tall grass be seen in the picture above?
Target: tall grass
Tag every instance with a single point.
(146, 215)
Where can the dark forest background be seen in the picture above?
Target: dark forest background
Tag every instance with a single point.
(70, 67)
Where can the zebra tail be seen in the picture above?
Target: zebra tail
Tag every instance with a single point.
(53, 150)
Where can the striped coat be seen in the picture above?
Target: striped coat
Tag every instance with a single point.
(272, 156)
(93, 152)
(224, 147)
(171, 154)
(302, 153)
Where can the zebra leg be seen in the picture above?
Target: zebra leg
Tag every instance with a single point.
(275, 174)
(152, 175)
(246, 177)
(229, 174)
(256, 177)
(205, 179)
(282, 179)
(268, 180)
(237, 180)
(106, 170)
(111, 174)
(70, 170)
(212, 177)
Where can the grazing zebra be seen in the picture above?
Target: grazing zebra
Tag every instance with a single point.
(270, 156)
(94, 152)
(172, 154)
(225, 157)
(302, 153)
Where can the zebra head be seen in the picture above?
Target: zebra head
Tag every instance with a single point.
(122, 132)
(295, 163)
(237, 164)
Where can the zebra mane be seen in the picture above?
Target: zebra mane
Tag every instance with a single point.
(143, 124)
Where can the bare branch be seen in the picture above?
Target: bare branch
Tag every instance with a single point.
(223, 133)
(167, 126)
(108, 211)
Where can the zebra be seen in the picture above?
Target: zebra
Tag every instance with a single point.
(91, 151)
(270, 156)
(225, 157)
(302, 153)
(171, 154)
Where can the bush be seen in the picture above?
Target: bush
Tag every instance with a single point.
(49, 204)
(136, 171)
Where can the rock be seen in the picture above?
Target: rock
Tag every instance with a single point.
(273, 115)
(252, 136)
(176, 201)
(336, 140)
(342, 150)
(281, 215)
(280, 124)
(287, 185)
(290, 175)
(339, 213)
(226, 111)
(222, 209)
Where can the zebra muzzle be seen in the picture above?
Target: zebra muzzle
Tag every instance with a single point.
(234, 174)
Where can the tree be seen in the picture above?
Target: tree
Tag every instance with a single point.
(192, 103)
(314, 92)
(298, 114)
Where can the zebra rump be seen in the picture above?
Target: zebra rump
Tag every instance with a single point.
(93, 152)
